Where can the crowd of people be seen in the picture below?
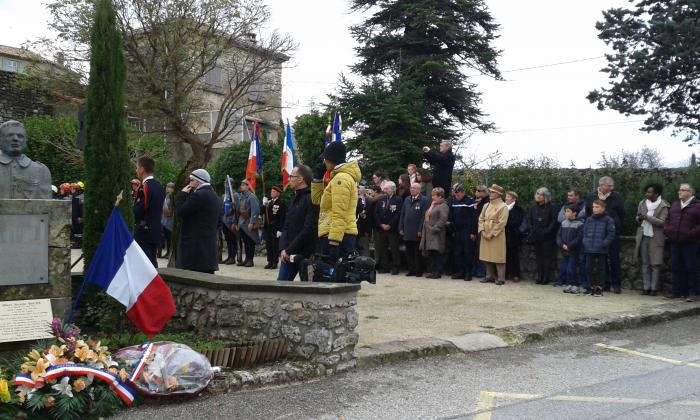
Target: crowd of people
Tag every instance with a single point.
(424, 225)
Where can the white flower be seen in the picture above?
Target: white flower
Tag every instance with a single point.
(51, 358)
(64, 387)
(29, 392)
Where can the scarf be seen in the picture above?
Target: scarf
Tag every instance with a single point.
(647, 228)
(429, 213)
(510, 206)
(603, 196)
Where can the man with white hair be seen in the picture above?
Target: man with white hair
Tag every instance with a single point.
(200, 210)
(443, 163)
(615, 208)
(411, 228)
(387, 213)
(682, 229)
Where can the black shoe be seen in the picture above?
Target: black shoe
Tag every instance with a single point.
(617, 290)
(458, 276)
(653, 293)
(248, 263)
(500, 282)
(395, 272)
(672, 296)
(418, 274)
(646, 292)
(382, 271)
(240, 263)
(690, 298)
(486, 280)
(410, 274)
(606, 289)
(468, 277)
(268, 266)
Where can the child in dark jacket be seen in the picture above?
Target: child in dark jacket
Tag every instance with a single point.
(598, 233)
(569, 240)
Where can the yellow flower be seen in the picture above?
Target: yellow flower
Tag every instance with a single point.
(113, 370)
(26, 368)
(40, 369)
(82, 353)
(79, 385)
(56, 351)
(123, 375)
(34, 355)
(22, 397)
(4, 391)
(48, 403)
(80, 343)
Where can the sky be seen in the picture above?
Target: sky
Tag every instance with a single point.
(538, 112)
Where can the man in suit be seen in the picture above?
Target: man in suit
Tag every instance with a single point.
(200, 210)
(275, 210)
(148, 209)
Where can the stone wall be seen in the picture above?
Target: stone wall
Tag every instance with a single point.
(318, 319)
(59, 287)
(631, 272)
(18, 104)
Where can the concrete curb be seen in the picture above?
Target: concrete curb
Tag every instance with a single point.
(398, 351)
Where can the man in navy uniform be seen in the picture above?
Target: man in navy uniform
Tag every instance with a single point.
(148, 209)
(462, 217)
(386, 224)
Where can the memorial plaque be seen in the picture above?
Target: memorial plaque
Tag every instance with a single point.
(24, 249)
(25, 320)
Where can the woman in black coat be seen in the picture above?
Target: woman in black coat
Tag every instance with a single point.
(542, 220)
(200, 210)
(516, 215)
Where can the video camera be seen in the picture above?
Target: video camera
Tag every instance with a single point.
(352, 269)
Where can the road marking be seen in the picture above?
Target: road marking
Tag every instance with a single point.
(487, 399)
(648, 356)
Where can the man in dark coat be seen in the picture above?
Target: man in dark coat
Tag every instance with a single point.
(443, 163)
(300, 230)
(148, 209)
(364, 220)
(615, 208)
(275, 211)
(682, 230)
(200, 210)
(411, 228)
(386, 229)
(465, 226)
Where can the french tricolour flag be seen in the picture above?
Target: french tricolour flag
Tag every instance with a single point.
(287, 156)
(122, 269)
(255, 159)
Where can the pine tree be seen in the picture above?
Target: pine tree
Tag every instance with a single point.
(412, 56)
(107, 164)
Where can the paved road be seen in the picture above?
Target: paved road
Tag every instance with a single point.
(651, 372)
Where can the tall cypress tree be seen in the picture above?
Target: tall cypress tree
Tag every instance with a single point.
(107, 164)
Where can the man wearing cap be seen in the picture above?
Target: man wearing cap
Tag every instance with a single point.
(275, 211)
(248, 214)
(464, 224)
(492, 226)
(200, 210)
(443, 163)
(337, 228)
(148, 209)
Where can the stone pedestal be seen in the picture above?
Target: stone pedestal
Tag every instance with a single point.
(58, 287)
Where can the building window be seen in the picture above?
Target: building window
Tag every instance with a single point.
(213, 80)
(13, 66)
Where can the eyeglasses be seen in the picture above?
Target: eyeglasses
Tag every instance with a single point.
(295, 176)
(683, 189)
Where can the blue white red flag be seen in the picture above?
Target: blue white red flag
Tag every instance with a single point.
(337, 127)
(329, 132)
(122, 270)
(255, 159)
(288, 159)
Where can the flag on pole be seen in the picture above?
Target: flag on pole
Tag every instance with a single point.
(287, 156)
(122, 270)
(329, 132)
(337, 127)
(255, 159)
(228, 198)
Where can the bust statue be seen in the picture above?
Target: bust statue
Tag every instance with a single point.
(20, 177)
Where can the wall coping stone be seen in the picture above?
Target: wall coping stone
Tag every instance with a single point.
(212, 281)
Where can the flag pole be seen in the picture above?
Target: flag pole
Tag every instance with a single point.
(69, 319)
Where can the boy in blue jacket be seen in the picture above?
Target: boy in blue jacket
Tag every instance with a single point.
(569, 239)
(598, 233)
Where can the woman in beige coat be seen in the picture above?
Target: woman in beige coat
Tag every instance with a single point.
(652, 213)
(492, 225)
(434, 237)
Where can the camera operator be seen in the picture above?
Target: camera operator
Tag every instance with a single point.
(443, 163)
(148, 209)
(200, 210)
(337, 229)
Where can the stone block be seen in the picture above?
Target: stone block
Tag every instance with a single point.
(229, 317)
(352, 319)
(321, 338)
(306, 351)
(269, 308)
(345, 341)
(303, 316)
(291, 333)
(331, 319)
(251, 305)
(257, 322)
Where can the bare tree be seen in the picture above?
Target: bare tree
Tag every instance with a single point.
(179, 53)
(646, 158)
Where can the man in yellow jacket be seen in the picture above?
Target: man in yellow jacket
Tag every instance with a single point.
(337, 199)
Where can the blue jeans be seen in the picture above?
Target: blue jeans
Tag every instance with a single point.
(568, 270)
(288, 271)
(613, 270)
(684, 269)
